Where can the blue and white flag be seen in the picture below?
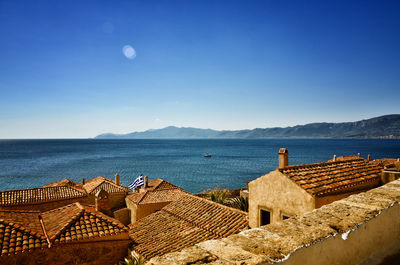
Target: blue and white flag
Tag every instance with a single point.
(137, 183)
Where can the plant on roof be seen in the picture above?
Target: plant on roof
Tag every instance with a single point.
(132, 259)
(239, 202)
(219, 195)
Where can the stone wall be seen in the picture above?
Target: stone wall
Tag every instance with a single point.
(95, 253)
(360, 229)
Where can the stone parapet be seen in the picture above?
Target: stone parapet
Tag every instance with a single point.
(360, 229)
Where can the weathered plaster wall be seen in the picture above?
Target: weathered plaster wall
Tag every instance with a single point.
(142, 210)
(123, 215)
(149, 208)
(279, 195)
(116, 199)
(361, 229)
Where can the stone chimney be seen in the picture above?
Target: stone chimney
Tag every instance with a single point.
(146, 182)
(283, 157)
(359, 155)
(83, 181)
(102, 202)
(117, 179)
(334, 158)
(369, 157)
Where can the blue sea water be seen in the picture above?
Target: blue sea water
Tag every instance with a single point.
(33, 163)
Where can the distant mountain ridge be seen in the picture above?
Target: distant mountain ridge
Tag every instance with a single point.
(387, 126)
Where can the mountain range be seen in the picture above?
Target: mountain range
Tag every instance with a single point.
(387, 126)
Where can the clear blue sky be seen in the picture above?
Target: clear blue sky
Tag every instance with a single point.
(207, 64)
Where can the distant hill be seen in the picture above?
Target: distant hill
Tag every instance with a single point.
(387, 126)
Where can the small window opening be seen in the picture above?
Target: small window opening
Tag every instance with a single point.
(284, 217)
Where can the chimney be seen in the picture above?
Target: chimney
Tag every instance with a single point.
(117, 179)
(359, 155)
(102, 203)
(283, 157)
(334, 158)
(146, 181)
(369, 157)
(83, 181)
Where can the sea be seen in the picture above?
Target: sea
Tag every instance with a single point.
(34, 163)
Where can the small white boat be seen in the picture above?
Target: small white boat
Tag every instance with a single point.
(207, 155)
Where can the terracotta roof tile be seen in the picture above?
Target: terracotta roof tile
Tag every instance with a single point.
(158, 190)
(37, 195)
(184, 223)
(15, 239)
(92, 186)
(78, 222)
(333, 177)
(25, 220)
(68, 183)
(20, 231)
(27, 230)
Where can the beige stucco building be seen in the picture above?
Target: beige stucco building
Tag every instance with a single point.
(292, 190)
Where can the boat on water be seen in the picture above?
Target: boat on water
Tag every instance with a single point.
(207, 155)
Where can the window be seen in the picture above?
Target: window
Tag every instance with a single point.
(284, 217)
(265, 217)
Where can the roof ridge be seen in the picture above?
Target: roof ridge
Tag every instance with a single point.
(72, 221)
(322, 163)
(40, 188)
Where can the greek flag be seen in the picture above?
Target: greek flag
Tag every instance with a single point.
(137, 183)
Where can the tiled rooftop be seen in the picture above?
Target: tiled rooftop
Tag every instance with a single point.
(37, 195)
(77, 222)
(333, 177)
(15, 238)
(20, 231)
(92, 186)
(158, 190)
(63, 182)
(27, 230)
(184, 223)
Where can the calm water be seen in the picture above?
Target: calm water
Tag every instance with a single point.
(33, 163)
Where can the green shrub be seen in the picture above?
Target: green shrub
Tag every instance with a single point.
(240, 203)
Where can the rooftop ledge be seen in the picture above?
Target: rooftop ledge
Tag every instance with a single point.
(360, 229)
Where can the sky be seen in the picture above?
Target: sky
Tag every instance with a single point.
(76, 69)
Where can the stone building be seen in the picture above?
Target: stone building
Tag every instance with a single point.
(72, 234)
(183, 223)
(151, 197)
(292, 190)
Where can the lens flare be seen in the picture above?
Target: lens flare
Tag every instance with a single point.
(129, 52)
